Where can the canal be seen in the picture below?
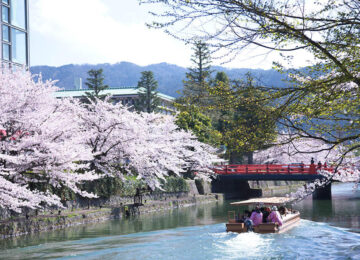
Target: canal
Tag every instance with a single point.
(328, 230)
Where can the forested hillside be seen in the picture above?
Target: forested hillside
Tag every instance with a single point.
(125, 74)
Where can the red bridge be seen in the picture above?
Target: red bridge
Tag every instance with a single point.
(271, 171)
(232, 179)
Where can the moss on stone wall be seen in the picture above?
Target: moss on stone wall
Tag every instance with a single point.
(174, 184)
(114, 186)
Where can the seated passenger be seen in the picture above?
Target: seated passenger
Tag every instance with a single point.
(282, 210)
(266, 213)
(275, 217)
(256, 217)
(249, 225)
(247, 213)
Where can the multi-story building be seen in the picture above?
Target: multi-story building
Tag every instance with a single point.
(15, 32)
(125, 95)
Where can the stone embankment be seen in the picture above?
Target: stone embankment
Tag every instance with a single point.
(275, 188)
(242, 189)
(114, 208)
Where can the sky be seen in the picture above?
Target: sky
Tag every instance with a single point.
(109, 31)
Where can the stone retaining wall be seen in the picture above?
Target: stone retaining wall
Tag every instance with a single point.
(17, 227)
(85, 203)
(275, 188)
(13, 228)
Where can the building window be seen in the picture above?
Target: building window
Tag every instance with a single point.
(5, 33)
(18, 13)
(6, 51)
(18, 46)
(5, 14)
(14, 31)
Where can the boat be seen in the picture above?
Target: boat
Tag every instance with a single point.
(290, 218)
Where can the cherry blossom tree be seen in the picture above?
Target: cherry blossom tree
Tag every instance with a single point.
(40, 142)
(46, 143)
(170, 150)
(343, 174)
(147, 145)
(301, 150)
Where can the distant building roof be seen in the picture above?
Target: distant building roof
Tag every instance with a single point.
(123, 91)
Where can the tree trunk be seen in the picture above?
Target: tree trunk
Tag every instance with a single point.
(235, 158)
(250, 156)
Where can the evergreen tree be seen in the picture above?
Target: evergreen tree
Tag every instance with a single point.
(148, 100)
(220, 116)
(221, 77)
(248, 120)
(95, 82)
(196, 84)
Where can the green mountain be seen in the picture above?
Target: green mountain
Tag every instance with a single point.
(126, 74)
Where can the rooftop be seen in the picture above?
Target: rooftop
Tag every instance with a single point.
(121, 91)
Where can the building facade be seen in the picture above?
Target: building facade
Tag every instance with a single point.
(125, 95)
(15, 32)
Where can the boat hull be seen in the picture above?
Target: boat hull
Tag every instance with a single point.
(288, 222)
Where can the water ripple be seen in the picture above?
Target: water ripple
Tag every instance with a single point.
(308, 240)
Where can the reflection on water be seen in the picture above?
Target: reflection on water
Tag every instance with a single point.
(342, 211)
(199, 233)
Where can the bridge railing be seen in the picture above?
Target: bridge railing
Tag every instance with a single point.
(269, 169)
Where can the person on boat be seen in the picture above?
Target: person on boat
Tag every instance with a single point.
(266, 214)
(282, 210)
(249, 225)
(244, 217)
(275, 217)
(256, 217)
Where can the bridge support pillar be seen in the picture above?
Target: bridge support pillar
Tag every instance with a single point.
(322, 193)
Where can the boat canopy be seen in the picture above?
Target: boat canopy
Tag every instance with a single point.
(264, 201)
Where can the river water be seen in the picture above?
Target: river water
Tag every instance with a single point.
(328, 230)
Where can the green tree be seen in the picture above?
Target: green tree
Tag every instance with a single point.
(322, 101)
(220, 116)
(195, 89)
(220, 77)
(195, 97)
(148, 100)
(191, 118)
(247, 122)
(95, 82)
